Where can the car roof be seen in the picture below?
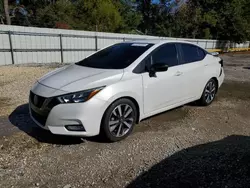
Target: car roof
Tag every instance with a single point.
(158, 41)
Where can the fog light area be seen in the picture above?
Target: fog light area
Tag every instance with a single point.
(75, 127)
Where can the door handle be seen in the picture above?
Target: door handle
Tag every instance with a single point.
(178, 73)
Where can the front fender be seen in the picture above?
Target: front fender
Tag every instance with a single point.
(125, 88)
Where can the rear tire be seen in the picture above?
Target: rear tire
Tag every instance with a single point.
(209, 93)
(119, 120)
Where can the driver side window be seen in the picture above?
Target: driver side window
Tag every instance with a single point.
(166, 54)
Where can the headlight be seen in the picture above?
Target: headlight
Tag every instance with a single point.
(80, 96)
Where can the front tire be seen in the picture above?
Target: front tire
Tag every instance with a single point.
(119, 120)
(209, 93)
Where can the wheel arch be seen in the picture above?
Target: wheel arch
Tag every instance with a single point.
(137, 108)
(217, 83)
(131, 99)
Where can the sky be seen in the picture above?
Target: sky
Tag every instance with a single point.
(180, 1)
(175, 5)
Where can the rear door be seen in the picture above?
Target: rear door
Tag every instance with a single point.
(193, 69)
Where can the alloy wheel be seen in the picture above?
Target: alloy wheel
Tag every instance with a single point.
(121, 120)
(210, 91)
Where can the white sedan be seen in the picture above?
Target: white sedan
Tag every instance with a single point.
(115, 88)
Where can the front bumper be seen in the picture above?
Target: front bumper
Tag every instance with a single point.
(88, 114)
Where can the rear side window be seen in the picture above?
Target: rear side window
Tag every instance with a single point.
(201, 53)
(191, 53)
(166, 54)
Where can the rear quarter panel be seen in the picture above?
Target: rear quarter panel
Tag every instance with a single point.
(212, 68)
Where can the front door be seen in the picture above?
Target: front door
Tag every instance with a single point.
(165, 88)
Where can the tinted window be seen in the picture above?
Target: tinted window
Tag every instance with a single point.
(166, 54)
(118, 56)
(192, 53)
(201, 53)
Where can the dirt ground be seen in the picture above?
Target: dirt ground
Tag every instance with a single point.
(189, 146)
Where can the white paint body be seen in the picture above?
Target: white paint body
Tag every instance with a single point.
(177, 86)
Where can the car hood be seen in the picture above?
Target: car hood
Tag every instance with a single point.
(76, 78)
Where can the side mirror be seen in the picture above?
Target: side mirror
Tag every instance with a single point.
(157, 67)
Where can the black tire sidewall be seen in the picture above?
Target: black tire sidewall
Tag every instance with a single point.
(105, 120)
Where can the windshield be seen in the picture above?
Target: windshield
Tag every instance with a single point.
(118, 56)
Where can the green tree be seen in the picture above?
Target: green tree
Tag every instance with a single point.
(247, 17)
(210, 19)
(155, 17)
(62, 11)
(1, 13)
(145, 7)
(191, 23)
(100, 15)
(130, 17)
(225, 19)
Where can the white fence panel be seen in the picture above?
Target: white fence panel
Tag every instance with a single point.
(71, 57)
(5, 58)
(4, 41)
(45, 45)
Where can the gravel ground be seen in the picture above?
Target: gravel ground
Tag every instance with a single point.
(186, 147)
(237, 66)
(15, 82)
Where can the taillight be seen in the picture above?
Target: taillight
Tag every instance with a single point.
(221, 62)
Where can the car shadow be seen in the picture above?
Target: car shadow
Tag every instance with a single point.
(223, 163)
(21, 119)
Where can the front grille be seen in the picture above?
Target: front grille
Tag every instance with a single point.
(38, 101)
(39, 118)
(41, 107)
